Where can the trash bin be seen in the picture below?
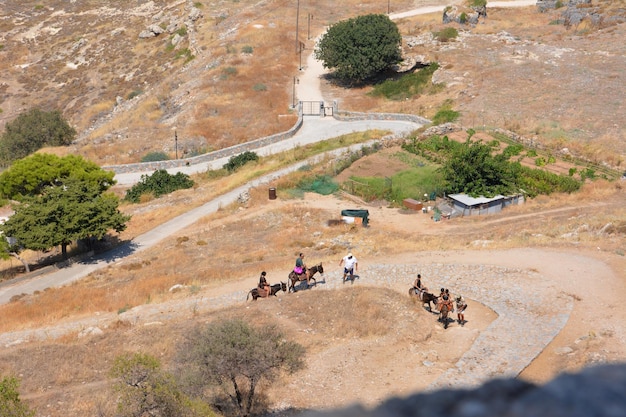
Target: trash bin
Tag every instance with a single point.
(363, 215)
(272, 193)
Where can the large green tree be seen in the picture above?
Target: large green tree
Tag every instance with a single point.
(472, 168)
(30, 176)
(33, 130)
(235, 358)
(64, 213)
(361, 47)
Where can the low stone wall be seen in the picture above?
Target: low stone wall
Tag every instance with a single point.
(210, 156)
(353, 116)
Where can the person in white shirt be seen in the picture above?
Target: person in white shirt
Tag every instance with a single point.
(350, 265)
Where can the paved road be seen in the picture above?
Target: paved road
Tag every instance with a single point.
(314, 129)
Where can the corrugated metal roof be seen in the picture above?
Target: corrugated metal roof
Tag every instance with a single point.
(474, 201)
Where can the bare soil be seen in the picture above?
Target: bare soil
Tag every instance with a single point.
(516, 70)
(365, 343)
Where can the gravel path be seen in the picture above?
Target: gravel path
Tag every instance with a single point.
(528, 315)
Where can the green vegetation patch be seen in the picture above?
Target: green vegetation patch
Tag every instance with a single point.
(411, 183)
(445, 114)
(159, 183)
(447, 34)
(406, 86)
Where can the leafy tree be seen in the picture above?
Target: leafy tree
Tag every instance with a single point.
(10, 403)
(31, 175)
(146, 390)
(64, 213)
(361, 47)
(33, 130)
(159, 183)
(235, 357)
(473, 169)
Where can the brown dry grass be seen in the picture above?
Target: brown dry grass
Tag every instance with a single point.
(266, 233)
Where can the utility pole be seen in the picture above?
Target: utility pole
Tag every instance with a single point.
(176, 143)
(388, 7)
(308, 32)
(297, 21)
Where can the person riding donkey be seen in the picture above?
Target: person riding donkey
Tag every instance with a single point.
(419, 288)
(264, 287)
(447, 302)
(301, 268)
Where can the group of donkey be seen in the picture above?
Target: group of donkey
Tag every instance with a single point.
(427, 298)
(293, 279)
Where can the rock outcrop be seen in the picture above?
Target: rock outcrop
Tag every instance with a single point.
(595, 391)
(463, 15)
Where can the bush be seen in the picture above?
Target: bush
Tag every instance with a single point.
(446, 34)
(259, 87)
(159, 183)
(10, 403)
(236, 162)
(155, 156)
(247, 49)
(445, 115)
(134, 94)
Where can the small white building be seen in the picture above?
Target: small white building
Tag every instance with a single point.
(465, 205)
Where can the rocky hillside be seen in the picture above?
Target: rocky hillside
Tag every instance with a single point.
(132, 75)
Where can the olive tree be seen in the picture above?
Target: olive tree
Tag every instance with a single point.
(361, 47)
(234, 358)
(145, 389)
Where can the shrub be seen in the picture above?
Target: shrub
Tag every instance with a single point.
(445, 115)
(512, 150)
(477, 3)
(446, 34)
(463, 18)
(155, 156)
(10, 403)
(247, 49)
(236, 162)
(159, 183)
(134, 94)
(185, 53)
(259, 87)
